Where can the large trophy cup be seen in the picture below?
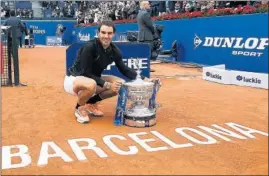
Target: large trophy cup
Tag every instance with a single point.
(141, 111)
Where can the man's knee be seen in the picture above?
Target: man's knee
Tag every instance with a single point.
(85, 84)
(91, 86)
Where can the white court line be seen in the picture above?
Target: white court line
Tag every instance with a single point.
(45, 46)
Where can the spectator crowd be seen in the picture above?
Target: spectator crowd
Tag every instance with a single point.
(20, 12)
(5, 10)
(86, 12)
(95, 11)
(59, 9)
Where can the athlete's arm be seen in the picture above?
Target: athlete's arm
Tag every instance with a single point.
(124, 69)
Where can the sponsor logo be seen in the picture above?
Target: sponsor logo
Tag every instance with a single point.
(215, 76)
(251, 46)
(123, 100)
(36, 30)
(197, 41)
(248, 80)
(142, 63)
(54, 41)
(83, 37)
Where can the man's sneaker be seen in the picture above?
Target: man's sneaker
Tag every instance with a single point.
(82, 115)
(94, 110)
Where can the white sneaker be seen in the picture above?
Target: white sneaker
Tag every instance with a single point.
(82, 115)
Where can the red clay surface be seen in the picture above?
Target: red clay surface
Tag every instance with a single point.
(42, 112)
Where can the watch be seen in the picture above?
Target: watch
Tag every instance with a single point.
(107, 85)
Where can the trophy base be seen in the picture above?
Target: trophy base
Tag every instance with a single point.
(140, 122)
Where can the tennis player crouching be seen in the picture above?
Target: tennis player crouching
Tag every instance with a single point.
(85, 80)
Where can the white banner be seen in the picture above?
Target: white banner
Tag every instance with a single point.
(217, 74)
(220, 75)
(250, 79)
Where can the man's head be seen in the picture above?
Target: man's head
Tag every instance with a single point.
(144, 5)
(106, 31)
(12, 13)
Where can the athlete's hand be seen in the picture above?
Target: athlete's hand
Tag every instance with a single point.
(154, 80)
(115, 86)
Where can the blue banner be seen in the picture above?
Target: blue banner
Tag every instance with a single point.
(130, 53)
(82, 34)
(44, 28)
(238, 41)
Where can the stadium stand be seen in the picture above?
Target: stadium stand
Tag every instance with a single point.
(86, 12)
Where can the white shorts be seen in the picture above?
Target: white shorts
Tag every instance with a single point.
(68, 84)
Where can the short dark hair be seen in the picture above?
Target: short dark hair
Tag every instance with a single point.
(12, 13)
(107, 23)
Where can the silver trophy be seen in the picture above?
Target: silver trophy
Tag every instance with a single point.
(142, 109)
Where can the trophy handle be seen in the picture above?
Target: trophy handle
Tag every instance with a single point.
(158, 105)
(121, 107)
(157, 84)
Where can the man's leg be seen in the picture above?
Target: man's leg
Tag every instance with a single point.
(84, 88)
(20, 42)
(101, 94)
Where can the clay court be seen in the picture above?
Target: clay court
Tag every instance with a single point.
(42, 112)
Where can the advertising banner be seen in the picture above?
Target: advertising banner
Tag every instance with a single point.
(44, 28)
(249, 79)
(53, 41)
(238, 41)
(218, 74)
(131, 52)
